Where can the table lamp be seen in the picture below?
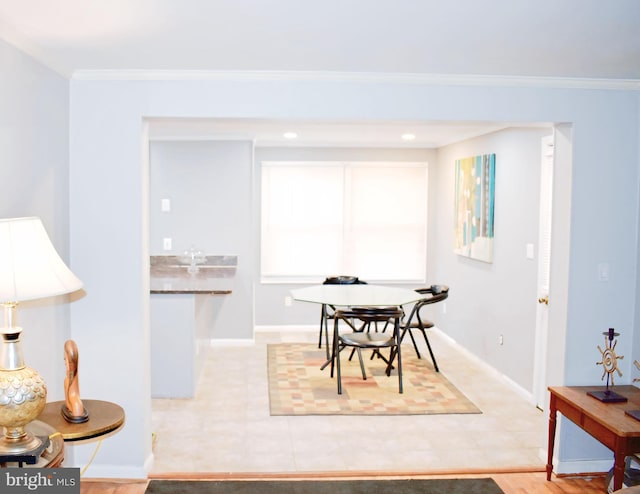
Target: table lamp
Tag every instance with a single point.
(30, 268)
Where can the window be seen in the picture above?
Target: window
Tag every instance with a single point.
(322, 219)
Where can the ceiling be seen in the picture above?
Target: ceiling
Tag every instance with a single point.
(590, 39)
(268, 133)
(548, 38)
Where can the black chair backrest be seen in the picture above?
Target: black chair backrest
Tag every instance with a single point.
(370, 314)
(343, 280)
(438, 293)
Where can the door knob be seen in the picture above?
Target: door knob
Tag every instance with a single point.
(544, 300)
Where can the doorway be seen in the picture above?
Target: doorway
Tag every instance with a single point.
(544, 271)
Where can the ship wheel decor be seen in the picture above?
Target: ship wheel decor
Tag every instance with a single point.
(609, 365)
(635, 413)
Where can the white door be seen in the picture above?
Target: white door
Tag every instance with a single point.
(544, 263)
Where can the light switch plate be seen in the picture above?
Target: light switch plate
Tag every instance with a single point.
(604, 271)
(530, 253)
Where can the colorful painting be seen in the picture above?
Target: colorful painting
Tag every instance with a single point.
(475, 198)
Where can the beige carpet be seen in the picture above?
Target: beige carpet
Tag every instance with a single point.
(297, 386)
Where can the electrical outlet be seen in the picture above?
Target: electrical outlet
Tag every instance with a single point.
(166, 244)
(287, 301)
(604, 271)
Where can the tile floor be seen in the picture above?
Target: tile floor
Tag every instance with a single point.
(227, 427)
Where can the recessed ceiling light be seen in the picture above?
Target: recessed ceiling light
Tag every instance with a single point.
(290, 135)
(408, 137)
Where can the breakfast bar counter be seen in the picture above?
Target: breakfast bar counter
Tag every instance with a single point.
(184, 303)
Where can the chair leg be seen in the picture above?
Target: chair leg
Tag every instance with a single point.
(326, 334)
(399, 351)
(392, 356)
(415, 345)
(396, 353)
(321, 327)
(376, 353)
(400, 388)
(364, 374)
(324, 328)
(433, 358)
(334, 348)
(384, 328)
(413, 341)
(338, 375)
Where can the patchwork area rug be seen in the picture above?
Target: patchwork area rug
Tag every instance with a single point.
(429, 486)
(297, 386)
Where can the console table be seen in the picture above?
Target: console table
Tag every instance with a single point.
(607, 422)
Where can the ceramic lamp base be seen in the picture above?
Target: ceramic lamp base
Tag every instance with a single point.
(23, 395)
(27, 450)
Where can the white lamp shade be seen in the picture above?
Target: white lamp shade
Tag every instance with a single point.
(30, 267)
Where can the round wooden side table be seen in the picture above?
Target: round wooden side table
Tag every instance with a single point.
(104, 418)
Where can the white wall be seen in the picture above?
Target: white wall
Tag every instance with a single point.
(34, 138)
(209, 184)
(108, 237)
(499, 298)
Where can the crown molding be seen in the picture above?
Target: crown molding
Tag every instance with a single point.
(360, 77)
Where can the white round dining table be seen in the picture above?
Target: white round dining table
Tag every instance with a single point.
(356, 295)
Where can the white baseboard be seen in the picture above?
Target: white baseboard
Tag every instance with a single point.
(524, 394)
(582, 466)
(223, 342)
(288, 328)
(101, 471)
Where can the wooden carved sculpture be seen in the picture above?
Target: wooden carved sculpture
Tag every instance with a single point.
(609, 364)
(73, 410)
(609, 360)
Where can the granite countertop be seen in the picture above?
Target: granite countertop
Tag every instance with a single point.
(173, 288)
(170, 276)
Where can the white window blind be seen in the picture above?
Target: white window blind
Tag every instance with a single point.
(363, 219)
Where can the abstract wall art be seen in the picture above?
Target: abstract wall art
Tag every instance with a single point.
(474, 207)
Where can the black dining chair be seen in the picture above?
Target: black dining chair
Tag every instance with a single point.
(328, 311)
(364, 339)
(415, 321)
